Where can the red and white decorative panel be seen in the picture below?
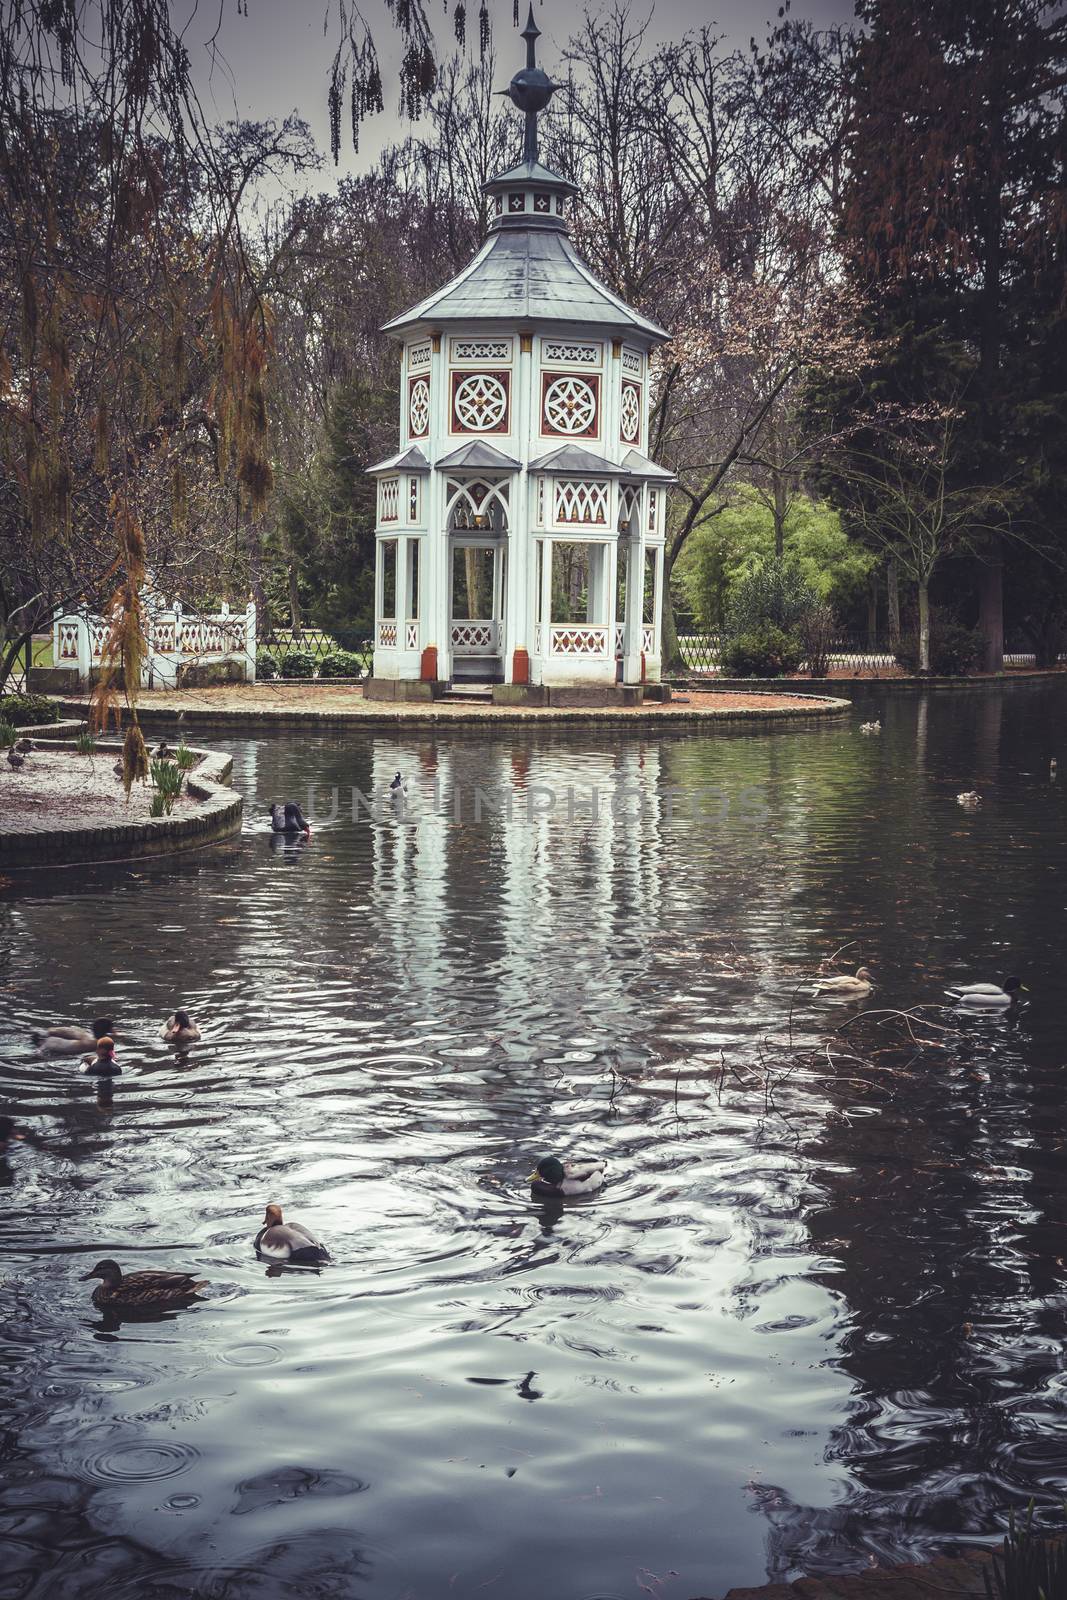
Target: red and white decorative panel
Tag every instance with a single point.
(413, 499)
(570, 404)
(387, 635)
(99, 634)
(388, 499)
(581, 502)
(481, 402)
(653, 510)
(418, 408)
(68, 641)
(588, 640)
(630, 413)
(163, 637)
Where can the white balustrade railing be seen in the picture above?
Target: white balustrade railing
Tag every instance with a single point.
(176, 640)
(475, 637)
(578, 639)
(386, 636)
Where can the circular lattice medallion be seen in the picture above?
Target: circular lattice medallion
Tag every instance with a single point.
(419, 407)
(630, 414)
(481, 403)
(570, 405)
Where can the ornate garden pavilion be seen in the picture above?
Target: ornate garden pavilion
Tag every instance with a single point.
(520, 526)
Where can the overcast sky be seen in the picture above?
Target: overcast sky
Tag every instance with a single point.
(277, 58)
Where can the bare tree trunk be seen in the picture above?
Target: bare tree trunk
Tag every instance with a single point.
(780, 509)
(296, 622)
(670, 649)
(892, 588)
(924, 626)
(991, 607)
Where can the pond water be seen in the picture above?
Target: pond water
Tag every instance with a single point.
(815, 1319)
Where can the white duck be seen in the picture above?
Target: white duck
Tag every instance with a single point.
(288, 1241)
(970, 798)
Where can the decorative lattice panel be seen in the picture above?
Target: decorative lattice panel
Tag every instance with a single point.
(538, 639)
(582, 501)
(647, 641)
(419, 356)
(418, 408)
(619, 632)
(99, 633)
(68, 641)
(586, 355)
(413, 499)
(590, 640)
(630, 414)
(411, 636)
(627, 501)
(163, 637)
(631, 363)
(388, 500)
(480, 402)
(481, 349)
(570, 404)
(653, 510)
(191, 639)
(474, 638)
(387, 635)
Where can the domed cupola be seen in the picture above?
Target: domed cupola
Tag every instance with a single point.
(520, 525)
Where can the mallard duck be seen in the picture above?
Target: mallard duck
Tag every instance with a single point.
(987, 996)
(180, 1029)
(103, 1064)
(553, 1178)
(969, 797)
(23, 746)
(859, 984)
(14, 760)
(142, 1288)
(163, 751)
(288, 1241)
(67, 1041)
(871, 727)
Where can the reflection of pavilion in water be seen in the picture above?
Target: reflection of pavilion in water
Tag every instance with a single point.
(505, 855)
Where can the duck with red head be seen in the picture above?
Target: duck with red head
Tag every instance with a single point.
(289, 1242)
(103, 1064)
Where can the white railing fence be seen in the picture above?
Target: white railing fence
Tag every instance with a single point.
(177, 640)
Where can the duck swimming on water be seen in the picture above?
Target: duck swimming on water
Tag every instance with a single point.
(289, 818)
(180, 1029)
(142, 1288)
(554, 1179)
(858, 985)
(987, 996)
(67, 1041)
(288, 1241)
(103, 1064)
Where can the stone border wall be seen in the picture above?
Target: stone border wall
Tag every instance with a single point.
(414, 715)
(217, 817)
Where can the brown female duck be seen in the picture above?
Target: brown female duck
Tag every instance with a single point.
(142, 1289)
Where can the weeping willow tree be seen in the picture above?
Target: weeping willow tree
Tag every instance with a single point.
(135, 343)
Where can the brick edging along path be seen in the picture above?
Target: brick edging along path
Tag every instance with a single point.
(217, 817)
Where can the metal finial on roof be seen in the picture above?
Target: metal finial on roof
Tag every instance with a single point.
(531, 89)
